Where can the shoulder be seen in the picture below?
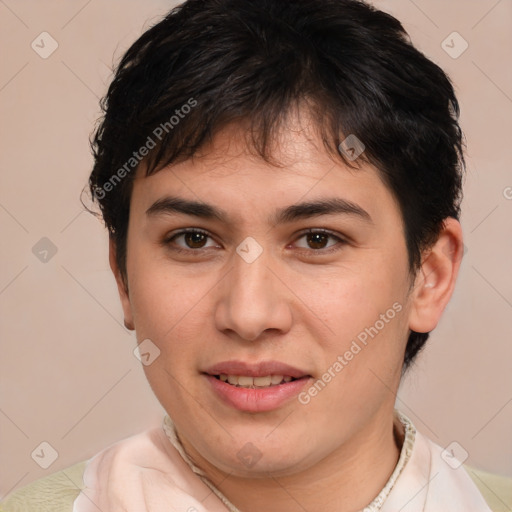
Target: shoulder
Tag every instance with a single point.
(59, 491)
(496, 489)
(439, 480)
(53, 493)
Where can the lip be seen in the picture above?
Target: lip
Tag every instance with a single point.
(260, 369)
(257, 399)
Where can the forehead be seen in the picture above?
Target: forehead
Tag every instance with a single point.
(228, 172)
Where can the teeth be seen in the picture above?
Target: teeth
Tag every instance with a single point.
(261, 382)
(245, 381)
(276, 379)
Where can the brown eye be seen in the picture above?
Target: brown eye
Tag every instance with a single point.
(317, 240)
(194, 240)
(189, 240)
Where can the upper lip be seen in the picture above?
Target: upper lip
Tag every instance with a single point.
(260, 369)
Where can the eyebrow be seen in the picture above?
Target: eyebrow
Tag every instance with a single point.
(170, 205)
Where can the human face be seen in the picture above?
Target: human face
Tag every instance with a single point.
(280, 303)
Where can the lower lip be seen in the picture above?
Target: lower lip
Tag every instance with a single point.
(257, 399)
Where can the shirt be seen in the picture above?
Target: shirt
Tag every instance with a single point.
(151, 472)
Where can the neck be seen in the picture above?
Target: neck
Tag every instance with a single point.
(345, 481)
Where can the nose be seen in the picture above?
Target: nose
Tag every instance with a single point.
(252, 300)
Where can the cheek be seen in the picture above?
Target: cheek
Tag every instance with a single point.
(170, 311)
(166, 304)
(366, 313)
(350, 302)
(363, 355)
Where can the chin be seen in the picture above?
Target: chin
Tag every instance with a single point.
(256, 458)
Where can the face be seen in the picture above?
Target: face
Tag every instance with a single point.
(303, 309)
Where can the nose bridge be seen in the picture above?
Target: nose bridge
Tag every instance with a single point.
(251, 301)
(252, 280)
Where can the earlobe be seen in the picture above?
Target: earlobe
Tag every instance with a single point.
(121, 287)
(435, 281)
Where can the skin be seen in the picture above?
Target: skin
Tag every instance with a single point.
(296, 303)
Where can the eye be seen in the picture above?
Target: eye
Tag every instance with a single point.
(191, 239)
(318, 240)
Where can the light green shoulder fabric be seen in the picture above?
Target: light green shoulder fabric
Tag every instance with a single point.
(496, 489)
(54, 493)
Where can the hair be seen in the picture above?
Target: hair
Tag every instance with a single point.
(210, 63)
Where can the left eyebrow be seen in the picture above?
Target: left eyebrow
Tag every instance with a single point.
(329, 206)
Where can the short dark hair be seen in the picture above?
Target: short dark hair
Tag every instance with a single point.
(210, 63)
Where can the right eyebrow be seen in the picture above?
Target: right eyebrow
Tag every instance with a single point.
(171, 204)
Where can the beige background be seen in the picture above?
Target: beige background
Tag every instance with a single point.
(68, 373)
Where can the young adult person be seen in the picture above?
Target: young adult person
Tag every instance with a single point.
(281, 182)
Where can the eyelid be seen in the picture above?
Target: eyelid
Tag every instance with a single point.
(185, 231)
(169, 237)
(323, 231)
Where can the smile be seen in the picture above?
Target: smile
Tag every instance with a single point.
(255, 386)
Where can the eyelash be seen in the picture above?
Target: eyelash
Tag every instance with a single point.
(167, 241)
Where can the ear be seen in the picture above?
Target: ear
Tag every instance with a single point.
(435, 281)
(122, 287)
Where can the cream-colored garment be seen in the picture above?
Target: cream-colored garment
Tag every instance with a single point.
(147, 473)
(428, 484)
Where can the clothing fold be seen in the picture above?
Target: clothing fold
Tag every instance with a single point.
(151, 472)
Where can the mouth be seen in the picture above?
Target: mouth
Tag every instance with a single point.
(257, 387)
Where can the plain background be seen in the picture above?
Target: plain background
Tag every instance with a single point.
(69, 376)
